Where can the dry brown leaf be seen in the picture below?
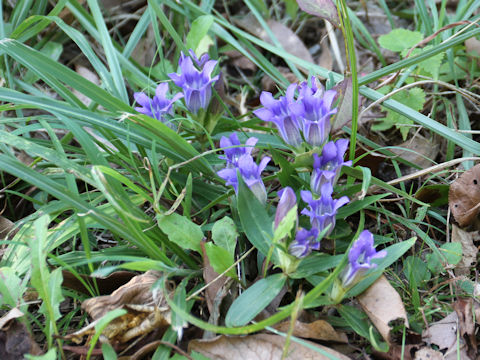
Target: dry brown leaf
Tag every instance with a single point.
(420, 149)
(325, 60)
(318, 330)
(464, 310)
(472, 45)
(209, 275)
(443, 334)
(240, 60)
(268, 84)
(469, 251)
(146, 311)
(6, 228)
(14, 313)
(464, 197)
(89, 75)
(428, 354)
(345, 95)
(383, 304)
(15, 341)
(136, 291)
(258, 347)
(287, 38)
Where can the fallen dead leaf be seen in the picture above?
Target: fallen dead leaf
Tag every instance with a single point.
(215, 287)
(472, 45)
(428, 354)
(469, 250)
(137, 291)
(6, 228)
(418, 150)
(258, 347)
(324, 9)
(146, 311)
(318, 330)
(15, 340)
(383, 304)
(464, 197)
(14, 313)
(464, 310)
(325, 60)
(286, 37)
(443, 334)
(344, 95)
(240, 60)
(268, 84)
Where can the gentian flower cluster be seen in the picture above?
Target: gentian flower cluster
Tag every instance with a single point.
(195, 79)
(159, 106)
(240, 161)
(309, 114)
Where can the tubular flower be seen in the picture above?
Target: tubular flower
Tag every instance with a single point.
(359, 259)
(322, 211)
(283, 113)
(250, 173)
(316, 114)
(157, 107)
(327, 167)
(305, 241)
(199, 63)
(233, 154)
(196, 83)
(287, 201)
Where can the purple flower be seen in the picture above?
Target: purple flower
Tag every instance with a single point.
(233, 154)
(283, 113)
(199, 63)
(157, 107)
(322, 211)
(316, 112)
(305, 241)
(287, 201)
(359, 259)
(326, 168)
(196, 83)
(251, 175)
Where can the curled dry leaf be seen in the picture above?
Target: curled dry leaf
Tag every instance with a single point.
(464, 197)
(464, 310)
(443, 334)
(469, 250)
(418, 151)
(286, 37)
(105, 285)
(345, 96)
(318, 330)
(15, 340)
(428, 354)
(214, 285)
(324, 9)
(383, 304)
(146, 311)
(258, 347)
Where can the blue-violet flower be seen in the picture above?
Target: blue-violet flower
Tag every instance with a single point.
(305, 241)
(251, 175)
(233, 154)
(157, 107)
(317, 110)
(323, 210)
(327, 167)
(283, 113)
(359, 259)
(288, 200)
(196, 83)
